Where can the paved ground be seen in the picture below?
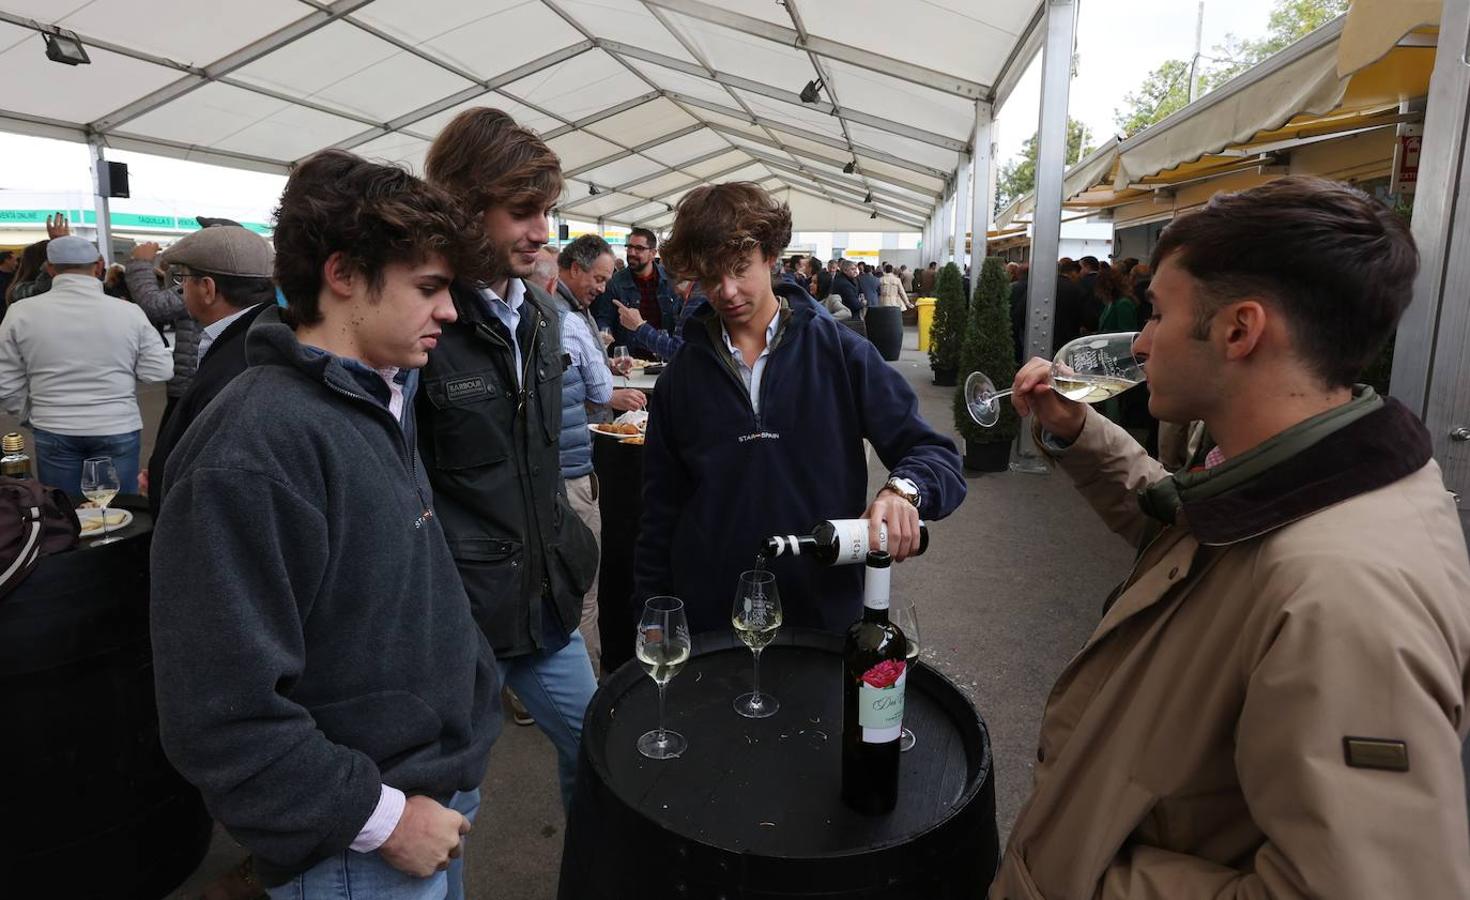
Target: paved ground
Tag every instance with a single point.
(1009, 589)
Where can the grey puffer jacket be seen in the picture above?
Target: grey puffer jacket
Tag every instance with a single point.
(166, 307)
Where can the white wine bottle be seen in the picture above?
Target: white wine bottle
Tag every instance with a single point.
(874, 675)
(835, 542)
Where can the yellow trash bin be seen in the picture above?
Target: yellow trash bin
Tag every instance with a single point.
(926, 321)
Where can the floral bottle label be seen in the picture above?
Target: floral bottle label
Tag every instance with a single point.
(880, 701)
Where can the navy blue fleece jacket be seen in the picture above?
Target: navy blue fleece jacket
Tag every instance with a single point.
(718, 478)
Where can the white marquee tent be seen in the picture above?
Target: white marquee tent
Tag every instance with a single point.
(642, 99)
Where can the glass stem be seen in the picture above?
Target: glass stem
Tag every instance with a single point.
(999, 394)
(662, 735)
(104, 522)
(756, 700)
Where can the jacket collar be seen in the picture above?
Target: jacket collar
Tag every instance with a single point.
(271, 342)
(1364, 445)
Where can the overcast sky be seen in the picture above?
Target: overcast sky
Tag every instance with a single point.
(1119, 42)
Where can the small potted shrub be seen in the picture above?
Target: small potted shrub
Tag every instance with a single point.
(986, 346)
(949, 322)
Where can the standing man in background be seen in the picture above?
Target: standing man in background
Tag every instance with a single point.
(70, 363)
(644, 286)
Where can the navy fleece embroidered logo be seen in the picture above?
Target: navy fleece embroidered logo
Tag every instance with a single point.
(760, 436)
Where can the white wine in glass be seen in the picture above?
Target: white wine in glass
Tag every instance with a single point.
(662, 649)
(1090, 369)
(756, 617)
(100, 484)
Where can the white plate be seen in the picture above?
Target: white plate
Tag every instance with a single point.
(117, 519)
(597, 428)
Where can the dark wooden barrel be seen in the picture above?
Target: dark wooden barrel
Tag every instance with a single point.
(885, 330)
(92, 807)
(619, 469)
(752, 809)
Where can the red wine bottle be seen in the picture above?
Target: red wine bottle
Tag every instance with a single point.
(874, 674)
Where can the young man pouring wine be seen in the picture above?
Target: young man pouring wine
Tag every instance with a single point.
(757, 429)
(1273, 703)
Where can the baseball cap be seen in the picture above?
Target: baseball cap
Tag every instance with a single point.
(70, 250)
(223, 250)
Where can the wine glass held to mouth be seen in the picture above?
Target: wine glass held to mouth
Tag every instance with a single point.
(1090, 369)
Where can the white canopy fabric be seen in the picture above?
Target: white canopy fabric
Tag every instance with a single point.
(642, 99)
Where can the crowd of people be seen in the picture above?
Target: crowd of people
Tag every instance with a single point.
(376, 508)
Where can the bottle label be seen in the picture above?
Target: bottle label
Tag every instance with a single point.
(852, 540)
(880, 701)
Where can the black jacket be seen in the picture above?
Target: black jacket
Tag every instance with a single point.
(492, 457)
(311, 640)
(224, 360)
(852, 298)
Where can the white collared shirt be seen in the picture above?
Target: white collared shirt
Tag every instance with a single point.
(508, 311)
(751, 375)
(209, 333)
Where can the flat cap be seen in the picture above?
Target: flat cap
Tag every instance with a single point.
(71, 250)
(222, 250)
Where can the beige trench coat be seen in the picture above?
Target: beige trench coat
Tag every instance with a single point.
(1195, 747)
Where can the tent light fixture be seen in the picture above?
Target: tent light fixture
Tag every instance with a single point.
(812, 92)
(868, 198)
(65, 47)
(850, 168)
(592, 190)
(873, 215)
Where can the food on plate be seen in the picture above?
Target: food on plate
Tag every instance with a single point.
(636, 440)
(91, 523)
(620, 428)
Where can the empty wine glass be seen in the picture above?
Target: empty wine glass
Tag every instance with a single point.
(100, 484)
(662, 650)
(622, 362)
(756, 617)
(1090, 369)
(903, 613)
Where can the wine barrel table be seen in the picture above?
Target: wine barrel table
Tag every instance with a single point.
(752, 810)
(94, 808)
(885, 330)
(619, 469)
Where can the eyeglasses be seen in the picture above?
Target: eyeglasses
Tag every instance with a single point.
(644, 248)
(177, 276)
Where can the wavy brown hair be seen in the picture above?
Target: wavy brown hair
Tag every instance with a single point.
(375, 215)
(716, 227)
(484, 158)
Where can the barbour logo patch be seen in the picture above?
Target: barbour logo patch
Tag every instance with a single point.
(464, 388)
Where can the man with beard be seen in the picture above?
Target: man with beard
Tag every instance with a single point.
(489, 426)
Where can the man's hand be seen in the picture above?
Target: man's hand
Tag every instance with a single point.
(607, 337)
(146, 251)
(630, 317)
(1032, 394)
(427, 837)
(57, 226)
(902, 520)
(143, 482)
(628, 400)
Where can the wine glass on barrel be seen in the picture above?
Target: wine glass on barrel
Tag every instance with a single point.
(902, 612)
(1090, 369)
(662, 650)
(756, 617)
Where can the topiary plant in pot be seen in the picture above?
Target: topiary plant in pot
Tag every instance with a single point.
(986, 346)
(949, 322)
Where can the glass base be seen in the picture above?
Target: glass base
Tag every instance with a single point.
(98, 542)
(981, 401)
(756, 706)
(906, 741)
(662, 744)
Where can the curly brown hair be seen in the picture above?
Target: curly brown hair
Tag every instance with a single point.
(716, 227)
(487, 160)
(375, 215)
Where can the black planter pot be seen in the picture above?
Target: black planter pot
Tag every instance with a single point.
(945, 377)
(987, 457)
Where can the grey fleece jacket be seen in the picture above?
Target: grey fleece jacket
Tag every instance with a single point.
(166, 307)
(311, 638)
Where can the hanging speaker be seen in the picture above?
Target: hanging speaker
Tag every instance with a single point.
(563, 231)
(114, 180)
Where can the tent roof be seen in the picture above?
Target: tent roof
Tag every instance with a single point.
(1322, 87)
(642, 99)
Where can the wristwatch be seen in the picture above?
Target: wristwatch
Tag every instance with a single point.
(904, 488)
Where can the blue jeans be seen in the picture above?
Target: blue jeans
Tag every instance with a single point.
(59, 459)
(556, 688)
(350, 875)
